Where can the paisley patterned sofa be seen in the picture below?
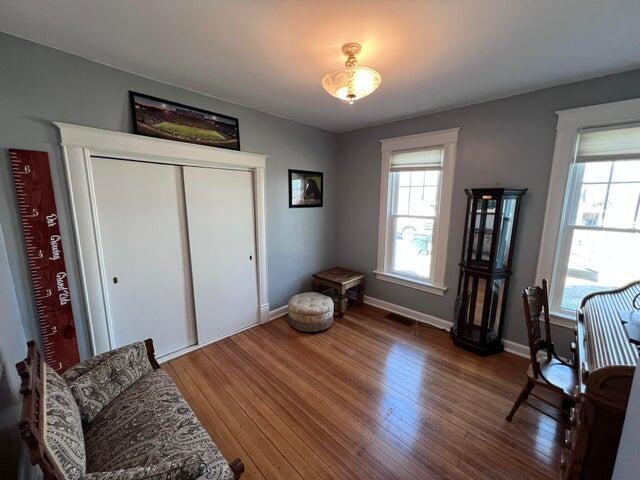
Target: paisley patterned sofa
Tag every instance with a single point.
(115, 416)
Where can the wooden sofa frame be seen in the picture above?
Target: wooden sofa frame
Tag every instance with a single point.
(31, 428)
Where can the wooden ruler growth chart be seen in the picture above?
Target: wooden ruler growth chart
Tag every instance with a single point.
(37, 208)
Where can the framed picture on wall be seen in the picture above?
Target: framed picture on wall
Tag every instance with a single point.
(160, 118)
(305, 189)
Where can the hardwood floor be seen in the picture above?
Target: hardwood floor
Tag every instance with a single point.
(365, 399)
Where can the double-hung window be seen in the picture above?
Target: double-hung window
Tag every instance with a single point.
(414, 187)
(599, 241)
(417, 174)
(591, 235)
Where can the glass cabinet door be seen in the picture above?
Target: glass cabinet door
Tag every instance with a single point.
(467, 230)
(484, 212)
(477, 308)
(476, 297)
(496, 298)
(506, 231)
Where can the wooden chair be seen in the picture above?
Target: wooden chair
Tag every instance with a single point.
(546, 368)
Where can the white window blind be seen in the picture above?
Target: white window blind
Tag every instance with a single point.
(610, 143)
(417, 160)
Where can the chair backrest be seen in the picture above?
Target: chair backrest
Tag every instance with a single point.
(536, 312)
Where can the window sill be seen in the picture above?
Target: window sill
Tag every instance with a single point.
(424, 286)
(562, 319)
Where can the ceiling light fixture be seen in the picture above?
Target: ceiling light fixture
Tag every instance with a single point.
(352, 82)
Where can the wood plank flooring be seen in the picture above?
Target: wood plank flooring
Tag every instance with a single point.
(365, 399)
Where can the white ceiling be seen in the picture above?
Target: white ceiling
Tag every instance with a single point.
(272, 54)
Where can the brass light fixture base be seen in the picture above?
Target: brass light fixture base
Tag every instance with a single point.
(351, 50)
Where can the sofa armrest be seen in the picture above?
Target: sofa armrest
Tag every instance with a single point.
(101, 379)
(175, 470)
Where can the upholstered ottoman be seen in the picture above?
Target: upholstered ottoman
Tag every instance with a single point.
(310, 312)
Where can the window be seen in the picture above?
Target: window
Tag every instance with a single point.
(414, 184)
(599, 242)
(417, 176)
(591, 233)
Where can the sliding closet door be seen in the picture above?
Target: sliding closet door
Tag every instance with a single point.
(222, 238)
(143, 238)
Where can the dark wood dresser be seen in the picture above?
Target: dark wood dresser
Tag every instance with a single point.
(606, 360)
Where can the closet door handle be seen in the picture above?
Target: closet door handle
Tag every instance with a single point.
(115, 279)
(250, 257)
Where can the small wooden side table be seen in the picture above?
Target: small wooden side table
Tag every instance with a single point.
(341, 280)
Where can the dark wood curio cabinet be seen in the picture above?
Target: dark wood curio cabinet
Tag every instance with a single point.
(489, 237)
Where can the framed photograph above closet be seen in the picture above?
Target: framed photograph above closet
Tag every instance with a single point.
(305, 189)
(160, 118)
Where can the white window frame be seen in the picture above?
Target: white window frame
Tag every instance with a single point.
(570, 122)
(447, 140)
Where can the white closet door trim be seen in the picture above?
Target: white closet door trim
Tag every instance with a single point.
(80, 143)
(149, 149)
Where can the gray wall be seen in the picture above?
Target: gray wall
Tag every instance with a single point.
(507, 142)
(13, 460)
(39, 85)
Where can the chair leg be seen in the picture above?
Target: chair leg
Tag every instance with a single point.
(521, 398)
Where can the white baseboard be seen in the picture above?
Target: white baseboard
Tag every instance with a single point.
(278, 312)
(264, 313)
(409, 313)
(516, 348)
(509, 346)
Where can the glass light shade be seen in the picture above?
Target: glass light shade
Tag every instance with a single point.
(350, 84)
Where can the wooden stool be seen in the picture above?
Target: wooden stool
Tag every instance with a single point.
(341, 280)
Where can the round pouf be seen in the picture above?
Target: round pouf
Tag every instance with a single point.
(310, 312)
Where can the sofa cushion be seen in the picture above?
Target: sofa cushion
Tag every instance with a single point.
(148, 424)
(104, 381)
(187, 469)
(85, 366)
(62, 427)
